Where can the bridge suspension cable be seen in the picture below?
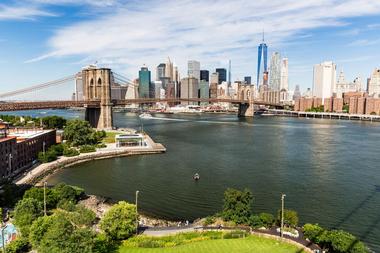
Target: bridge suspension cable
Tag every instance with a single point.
(37, 87)
(122, 79)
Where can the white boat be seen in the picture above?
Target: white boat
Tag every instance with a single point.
(145, 115)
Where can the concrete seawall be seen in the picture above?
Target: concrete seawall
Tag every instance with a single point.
(37, 174)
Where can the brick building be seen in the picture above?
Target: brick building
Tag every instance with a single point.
(19, 148)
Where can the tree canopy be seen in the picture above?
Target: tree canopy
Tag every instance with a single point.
(79, 132)
(237, 205)
(119, 222)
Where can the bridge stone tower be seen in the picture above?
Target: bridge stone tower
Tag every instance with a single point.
(246, 109)
(97, 88)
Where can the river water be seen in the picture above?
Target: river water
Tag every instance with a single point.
(329, 169)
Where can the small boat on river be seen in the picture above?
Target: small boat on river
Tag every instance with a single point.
(196, 177)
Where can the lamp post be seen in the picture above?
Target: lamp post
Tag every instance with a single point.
(137, 213)
(45, 183)
(282, 214)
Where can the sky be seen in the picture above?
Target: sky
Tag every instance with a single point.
(44, 40)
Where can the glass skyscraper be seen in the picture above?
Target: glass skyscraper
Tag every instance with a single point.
(222, 75)
(262, 55)
(145, 88)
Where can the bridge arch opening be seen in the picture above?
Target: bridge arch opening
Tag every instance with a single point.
(99, 81)
(242, 95)
(248, 94)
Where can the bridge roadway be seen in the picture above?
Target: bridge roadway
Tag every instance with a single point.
(33, 105)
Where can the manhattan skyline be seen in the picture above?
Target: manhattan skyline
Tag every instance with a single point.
(49, 39)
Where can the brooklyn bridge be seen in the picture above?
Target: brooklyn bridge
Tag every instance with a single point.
(98, 102)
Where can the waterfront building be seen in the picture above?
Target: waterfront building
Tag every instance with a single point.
(284, 84)
(324, 80)
(275, 72)
(204, 91)
(160, 71)
(303, 104)
(262, 58)
(222, 77)
(130, 140)
(374, 84)
(20, 147)
(342, 86)
(248, 80)
(205, 74)
(189, 89)
(333, 104)
(144, 82)
(193, 69)
(118, 91)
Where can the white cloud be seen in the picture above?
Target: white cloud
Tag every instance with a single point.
(20, 12)
(211, 31)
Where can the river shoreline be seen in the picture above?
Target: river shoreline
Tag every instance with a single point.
(38, 174)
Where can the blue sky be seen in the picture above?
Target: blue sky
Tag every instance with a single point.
(43, 40)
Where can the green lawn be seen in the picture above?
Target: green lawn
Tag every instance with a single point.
(251, 244)
(110, 137)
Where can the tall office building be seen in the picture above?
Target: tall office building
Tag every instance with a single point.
(193, 69)
(205, 75)
(214, 78)
(169, 69)
(160, 72)
(275, 72)
(374, 84)
(324, 80)
(144, 82)
(229, 73)
(189, 89)
(204, 91)
(78, 87)
(262, 56)
(248, 80)
(222, 75)
(284, 74)
(297, 92)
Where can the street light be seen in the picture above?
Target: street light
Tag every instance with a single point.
(45, 183)
(43, 147)
(10, 157)
(137, 213)
(282, 214)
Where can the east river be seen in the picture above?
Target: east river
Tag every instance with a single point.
(328, 169)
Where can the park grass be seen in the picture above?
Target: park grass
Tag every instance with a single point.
(110, 137)
(250, 244)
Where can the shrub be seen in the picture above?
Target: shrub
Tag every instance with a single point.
(101, 145)
(209, 220)
(267, 219)
(87, 149)
(58, 149)
(19, 245)
(237, 205)
(290, 217)
(47, 157)
(255, 221)
(70, 152)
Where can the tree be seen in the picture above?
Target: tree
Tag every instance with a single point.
(314, 232)
(26, 211)
(48, 156)
(119, 222)
(56, 233)
(53, 122)
(341, 242)
(37, 193)
(267, 219)
(237, 205)
(79, 132)
(290, 217)
(19, 245)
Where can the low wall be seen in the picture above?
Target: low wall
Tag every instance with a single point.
(40, 172)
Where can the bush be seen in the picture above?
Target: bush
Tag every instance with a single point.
(255, 221)
(290, 217)
(314, 232)
(101, 145)
(267, 219)
(209, 220)
(87, 149)
(47, 157)
(70, 152)
(67, 193)
(58, 149)
(19, 245)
